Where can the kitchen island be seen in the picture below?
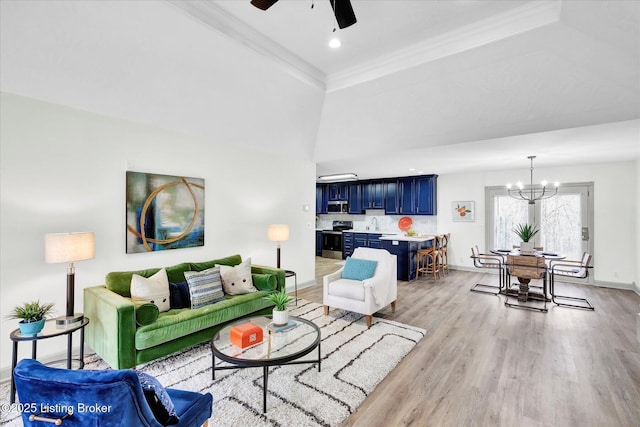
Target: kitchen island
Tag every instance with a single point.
(405, 248)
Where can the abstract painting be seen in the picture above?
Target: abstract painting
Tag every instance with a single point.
(164, 212)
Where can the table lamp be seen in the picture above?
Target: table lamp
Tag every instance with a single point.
(278, 233)
(69, 247)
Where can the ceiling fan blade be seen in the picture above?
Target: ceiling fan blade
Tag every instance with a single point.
(263, 4)
(344, 13)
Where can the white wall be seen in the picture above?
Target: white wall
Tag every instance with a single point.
(63, 170)
(615, 217)
(637, 283)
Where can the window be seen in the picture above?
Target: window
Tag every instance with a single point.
(564, 220)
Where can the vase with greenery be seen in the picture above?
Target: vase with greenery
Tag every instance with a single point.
(526, 232)
(281, 300)
(32, 316)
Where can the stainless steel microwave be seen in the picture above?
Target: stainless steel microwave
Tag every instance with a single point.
(338, 207)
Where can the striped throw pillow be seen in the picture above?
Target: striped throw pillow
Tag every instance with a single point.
(205, 287)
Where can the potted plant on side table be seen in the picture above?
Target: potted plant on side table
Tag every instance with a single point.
(32, 316)
(280, 313)
(526, 232)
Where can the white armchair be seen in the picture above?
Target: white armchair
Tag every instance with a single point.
(364, 296)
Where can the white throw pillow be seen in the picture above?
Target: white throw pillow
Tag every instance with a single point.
(154, 289)
(237, 280)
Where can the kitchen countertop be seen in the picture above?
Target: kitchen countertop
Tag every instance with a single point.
(405, 238)
(363, 231)
(392, 235)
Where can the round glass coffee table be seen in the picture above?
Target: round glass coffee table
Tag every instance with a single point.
(284, 347)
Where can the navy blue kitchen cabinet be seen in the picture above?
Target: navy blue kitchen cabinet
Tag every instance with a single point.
(318, 243)
(322, 197)
(373, 241)
(367, 240)
(355, 198)
(373, 195)
(338, 191)
(359, 240)
(347, 244)
(426, 197)
(405, 253)
(391, 197)
(407, 196)
(413, 195)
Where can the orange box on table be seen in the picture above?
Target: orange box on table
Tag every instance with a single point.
(245, 335)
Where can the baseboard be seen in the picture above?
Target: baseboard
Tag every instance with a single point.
(306, 284)
(600, 283)
(615, 285)
(638, 328)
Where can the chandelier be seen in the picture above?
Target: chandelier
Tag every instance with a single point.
(531, 193)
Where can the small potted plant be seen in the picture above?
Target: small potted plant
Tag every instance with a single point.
(526, 232)
(32, 316)
(280, 313)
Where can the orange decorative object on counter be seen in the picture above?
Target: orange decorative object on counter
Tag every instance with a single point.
(245, 335)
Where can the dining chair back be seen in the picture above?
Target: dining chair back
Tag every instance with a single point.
(490, 261)
(578, 269)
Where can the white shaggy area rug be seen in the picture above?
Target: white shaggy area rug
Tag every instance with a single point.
(354, 360)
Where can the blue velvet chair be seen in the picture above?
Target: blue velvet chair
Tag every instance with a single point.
(98, 398)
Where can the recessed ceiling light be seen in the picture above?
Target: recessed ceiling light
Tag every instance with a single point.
(412, 169)
(338, 177)
(335, 43)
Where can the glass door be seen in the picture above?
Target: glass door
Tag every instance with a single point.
(565, 220)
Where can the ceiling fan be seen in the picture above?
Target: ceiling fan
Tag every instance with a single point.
(341, 8)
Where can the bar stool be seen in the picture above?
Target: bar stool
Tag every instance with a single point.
(444, 253)
(429, 259)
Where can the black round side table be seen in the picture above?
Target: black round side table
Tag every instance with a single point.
(50, 330)
(289, 273)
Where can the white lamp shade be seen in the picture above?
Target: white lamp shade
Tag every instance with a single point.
(278, 232)
(69, 247)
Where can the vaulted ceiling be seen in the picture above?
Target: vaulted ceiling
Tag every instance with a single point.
(440, 86)
(443, 86)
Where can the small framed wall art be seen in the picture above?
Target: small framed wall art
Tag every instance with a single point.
(464, 211)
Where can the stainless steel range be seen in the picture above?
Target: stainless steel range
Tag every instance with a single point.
(332, 239)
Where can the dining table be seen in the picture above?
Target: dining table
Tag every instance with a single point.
(526, 266)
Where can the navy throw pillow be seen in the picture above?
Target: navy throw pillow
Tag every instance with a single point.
(179, 295)
(158, 399)
(359, 269)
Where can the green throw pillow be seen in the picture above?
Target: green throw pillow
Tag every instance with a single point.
(146, 313)
(359, 269)
(265, 282)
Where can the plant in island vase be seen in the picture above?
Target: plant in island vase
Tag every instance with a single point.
(32, 316)
(281, 300)
(526, 233)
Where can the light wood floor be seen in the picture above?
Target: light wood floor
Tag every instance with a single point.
(484, 364)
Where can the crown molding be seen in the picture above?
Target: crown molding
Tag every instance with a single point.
(219, 19)
(508, 24)
(519, 20)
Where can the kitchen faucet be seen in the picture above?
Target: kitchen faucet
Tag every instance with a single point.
(374, 221)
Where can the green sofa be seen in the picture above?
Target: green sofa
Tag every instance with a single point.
(115, 335)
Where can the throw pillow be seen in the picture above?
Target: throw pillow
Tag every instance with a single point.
(359, 269)
(265, 282)
(146, 313)
(158, 399)
(179, 295)
(154, 289)
(237, 280)
(205, 287)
